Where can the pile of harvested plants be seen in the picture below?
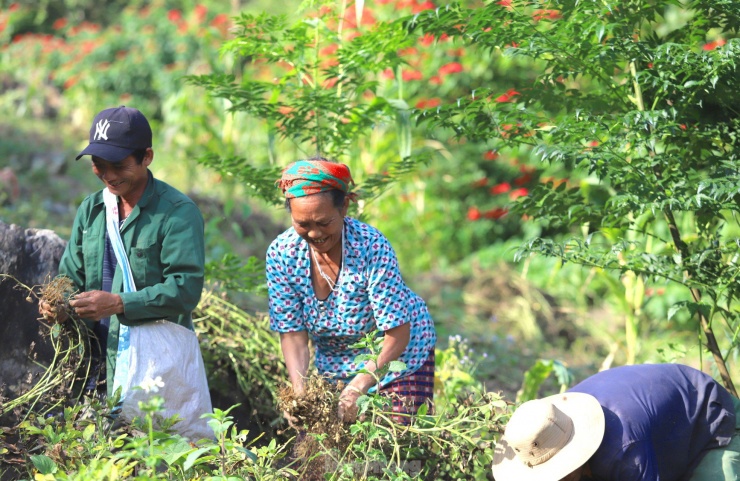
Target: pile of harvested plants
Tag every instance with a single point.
(322, 437)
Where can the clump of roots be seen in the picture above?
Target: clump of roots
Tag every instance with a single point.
(322, 435)
(57, 292)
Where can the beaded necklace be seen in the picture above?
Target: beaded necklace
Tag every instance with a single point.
(332, 284)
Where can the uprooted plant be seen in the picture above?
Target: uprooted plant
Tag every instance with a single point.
(58, 380)
(454, 443)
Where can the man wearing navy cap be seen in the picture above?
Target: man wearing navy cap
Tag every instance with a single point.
(161, 231)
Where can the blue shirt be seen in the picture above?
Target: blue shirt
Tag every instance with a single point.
(370, 294)
(660, 421)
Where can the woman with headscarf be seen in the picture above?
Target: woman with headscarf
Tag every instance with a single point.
(333, 279)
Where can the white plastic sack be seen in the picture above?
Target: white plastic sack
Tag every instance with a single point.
(165, 360)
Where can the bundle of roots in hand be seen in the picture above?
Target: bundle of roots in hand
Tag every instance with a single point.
(315, 413)
(57, 293)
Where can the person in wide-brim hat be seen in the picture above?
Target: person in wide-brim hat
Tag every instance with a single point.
(549, 438)
(648, 422)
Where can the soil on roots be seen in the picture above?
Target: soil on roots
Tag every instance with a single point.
(322, 437)
(57, 293)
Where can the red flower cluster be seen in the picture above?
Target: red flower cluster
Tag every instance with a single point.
(507, 97)
(473, 213)
(546, 14)
(501, 188)
(450, 68)
(423, 6)
(496, 213)
(428, 103)
(407, 75)
(59, 23)
(713, 45)
(520, 192)
(174, 16)
(490, 155)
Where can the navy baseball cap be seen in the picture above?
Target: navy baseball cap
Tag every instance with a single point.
(116, 133)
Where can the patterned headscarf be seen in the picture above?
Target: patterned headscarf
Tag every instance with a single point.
(306, 177)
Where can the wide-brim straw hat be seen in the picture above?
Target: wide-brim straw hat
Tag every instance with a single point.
(549, 438)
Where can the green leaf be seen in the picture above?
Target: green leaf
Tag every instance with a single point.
(173, 452)
(363, 403)
(396, 366)
(248, 453)
(533, 379)
(44, 464)
(195, 458)
(88, 432)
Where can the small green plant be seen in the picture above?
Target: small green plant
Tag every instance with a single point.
(454, 375)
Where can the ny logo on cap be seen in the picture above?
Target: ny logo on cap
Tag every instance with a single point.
(101, 130)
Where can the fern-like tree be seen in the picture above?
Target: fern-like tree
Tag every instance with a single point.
(642, 99)
(639, 100)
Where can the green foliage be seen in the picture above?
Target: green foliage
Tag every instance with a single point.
(239, 348)
(454, 375)
(313, 100)
(538, 373)
(644, 108)
(85, 445)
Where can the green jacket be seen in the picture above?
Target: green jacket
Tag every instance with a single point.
(164, 240)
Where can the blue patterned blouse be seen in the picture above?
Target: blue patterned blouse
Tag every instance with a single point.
(370, 294)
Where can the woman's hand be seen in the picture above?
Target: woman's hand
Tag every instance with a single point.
(294, 346)
(348, 409)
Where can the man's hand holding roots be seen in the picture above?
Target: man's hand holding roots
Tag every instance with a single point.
(94, 305)
(53, 312)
